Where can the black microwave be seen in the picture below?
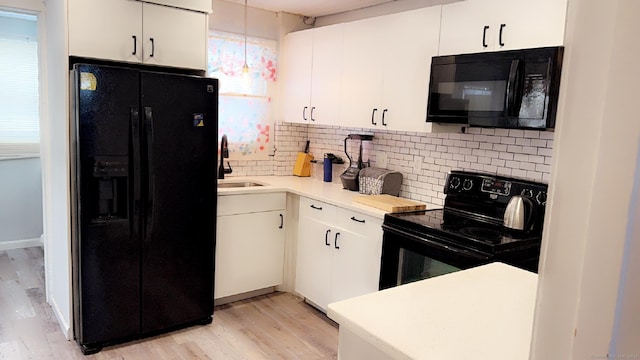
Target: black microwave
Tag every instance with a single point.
(506, 89)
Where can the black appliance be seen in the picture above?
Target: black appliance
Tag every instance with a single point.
(506, 89)
(144, 202)
(467, 232)
(350, 177)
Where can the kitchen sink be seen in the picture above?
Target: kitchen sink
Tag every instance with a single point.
(238, 184)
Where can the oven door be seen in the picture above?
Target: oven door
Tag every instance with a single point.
(407, 258)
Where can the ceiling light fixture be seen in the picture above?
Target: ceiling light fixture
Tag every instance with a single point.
(245, 67)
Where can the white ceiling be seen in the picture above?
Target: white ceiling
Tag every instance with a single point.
(310, 7)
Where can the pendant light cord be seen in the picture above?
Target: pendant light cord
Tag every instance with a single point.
(245, 67)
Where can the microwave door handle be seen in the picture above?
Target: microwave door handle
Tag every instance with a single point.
(511, 88)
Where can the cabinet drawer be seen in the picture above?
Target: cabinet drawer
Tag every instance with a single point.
(251, 203)
(317, 210)
(359, 223)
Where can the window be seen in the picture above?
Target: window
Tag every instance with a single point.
(244, 106)
(19, 98)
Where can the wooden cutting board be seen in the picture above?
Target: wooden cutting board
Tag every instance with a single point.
(389, 203)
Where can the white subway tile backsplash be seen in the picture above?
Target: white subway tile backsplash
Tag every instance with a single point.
(546, 135)
(423, 159)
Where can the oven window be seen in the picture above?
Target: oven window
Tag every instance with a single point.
(413, 267)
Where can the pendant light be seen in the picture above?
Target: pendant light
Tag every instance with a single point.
(245, 67)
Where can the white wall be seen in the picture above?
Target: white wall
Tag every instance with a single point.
(266, 24)
(52, 30)
(625, 329)
(21, 205)
(595, 154)
(55, 163)
(378, 10)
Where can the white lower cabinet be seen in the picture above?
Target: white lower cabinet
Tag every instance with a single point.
(250, 243)
(338, 254)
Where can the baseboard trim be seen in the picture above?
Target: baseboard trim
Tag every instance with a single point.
(20, 244)
(64, 326)
(243, 296)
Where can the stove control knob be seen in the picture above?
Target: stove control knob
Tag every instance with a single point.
(541, 198)
(454, 183)
(527, 192)
(467, 184)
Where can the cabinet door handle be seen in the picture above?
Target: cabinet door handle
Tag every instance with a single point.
(316, 207)
(500, 37)
(153, 47)
(304, 113)
(326, 238)
(357, 220)
(384, 112)
(313, 108)
(373, 114)
(484, 36)
(281, 222)
(135, 44)
(335, 241)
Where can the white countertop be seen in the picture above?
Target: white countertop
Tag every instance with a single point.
(480, 313)
(332, 193)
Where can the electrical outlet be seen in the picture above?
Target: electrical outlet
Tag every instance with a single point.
(417, 163)
(381, 160)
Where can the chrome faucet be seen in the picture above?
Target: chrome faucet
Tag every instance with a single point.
(224, 154)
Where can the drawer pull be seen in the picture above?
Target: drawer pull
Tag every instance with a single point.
(316, 207)
(281, 222)
(326, 238)
(335, 242)
(135, 47)
(357, 220)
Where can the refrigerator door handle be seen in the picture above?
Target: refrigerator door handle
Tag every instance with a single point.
(148, 124)
(134, 113)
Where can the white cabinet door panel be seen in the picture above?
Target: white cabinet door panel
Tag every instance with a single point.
(531, 24)
(356, 265)
(463, 25)
(297, 58)
(412, 42)
(362, 63)
(326, 78)
(174, 37)
(249, 252)
(313, 262)
(106, 29)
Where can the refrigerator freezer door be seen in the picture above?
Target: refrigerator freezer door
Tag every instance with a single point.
(105, 243)
(180, 136)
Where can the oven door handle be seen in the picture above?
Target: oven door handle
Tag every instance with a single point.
(458, 251)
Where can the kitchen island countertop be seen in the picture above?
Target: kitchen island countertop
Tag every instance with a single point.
(480, 313)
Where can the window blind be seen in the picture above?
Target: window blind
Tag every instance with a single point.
(19, 96)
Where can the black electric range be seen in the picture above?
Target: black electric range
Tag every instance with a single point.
(467, 232)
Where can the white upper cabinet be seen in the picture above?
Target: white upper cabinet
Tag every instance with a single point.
(413, 42)
(362, 62)
(183, 44)
(326, 78)
(494, 25)
(133, 31)
(386, 67)
(296, 61)
(106, 29)
(312, 80)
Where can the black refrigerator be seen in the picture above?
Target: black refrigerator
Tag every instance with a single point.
(143, 161)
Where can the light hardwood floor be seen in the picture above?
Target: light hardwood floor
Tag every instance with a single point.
(275, 326)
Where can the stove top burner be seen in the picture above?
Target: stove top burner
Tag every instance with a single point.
(447, 226)
(482, 234)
